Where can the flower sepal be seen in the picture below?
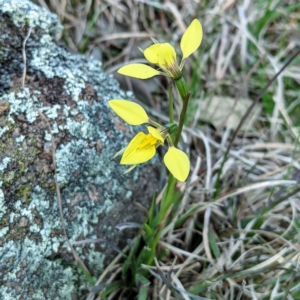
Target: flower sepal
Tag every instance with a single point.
(178, 163)
(130, 112)
(172, 127)
(182, 88)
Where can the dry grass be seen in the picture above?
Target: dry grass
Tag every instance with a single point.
(241, 237)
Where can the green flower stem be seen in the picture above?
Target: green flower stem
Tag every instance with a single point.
(171, 108)
(182, 88)
(182, 118)
(166, 202)
(152, 254)
(168, 197)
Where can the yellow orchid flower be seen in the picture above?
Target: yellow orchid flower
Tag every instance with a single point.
(164, 56)
(143, 146)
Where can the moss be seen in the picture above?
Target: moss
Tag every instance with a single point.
(22, 166)
(24, 192)
(4, 220)
(17, 235)
(21, 234)
(8, 178)
(20, 160)
(4, 122)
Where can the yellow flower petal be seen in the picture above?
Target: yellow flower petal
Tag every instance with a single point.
(141, 149)
(167, 56)
(151, 53)
(156, 134)
(177, 163)
(129, 111)
(191, 39)
(140, 71)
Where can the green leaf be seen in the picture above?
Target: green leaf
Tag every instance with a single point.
(213, 244)
(87, 275)
(129, 262)
(151, 213)
(268, 103)
(141, 279)
(297, 223)
(143, 292)
(148, 230)
(111, 287)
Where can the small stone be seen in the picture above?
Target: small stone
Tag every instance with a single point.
(47, 149)
(24, 179)
(99, 146)
(79, 117)
(23, 222)
(4, 106)
(21, 118)
(16, 132)
(46, 169)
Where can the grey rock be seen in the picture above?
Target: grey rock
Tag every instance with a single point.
(72, 92)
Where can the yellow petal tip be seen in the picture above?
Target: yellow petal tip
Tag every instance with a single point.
(191, 39)
(140, 71)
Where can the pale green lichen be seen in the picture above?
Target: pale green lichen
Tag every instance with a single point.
(27, 257)
(22, 103)
(128, 194)
(51, 113)
(96, 259)
(47, 136)
(20, 139)
(4, 163)
(3, 230)
(3, 130)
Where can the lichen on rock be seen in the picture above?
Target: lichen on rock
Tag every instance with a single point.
(72, 92)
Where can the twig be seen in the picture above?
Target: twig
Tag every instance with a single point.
(76, 257)
(24, 56)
